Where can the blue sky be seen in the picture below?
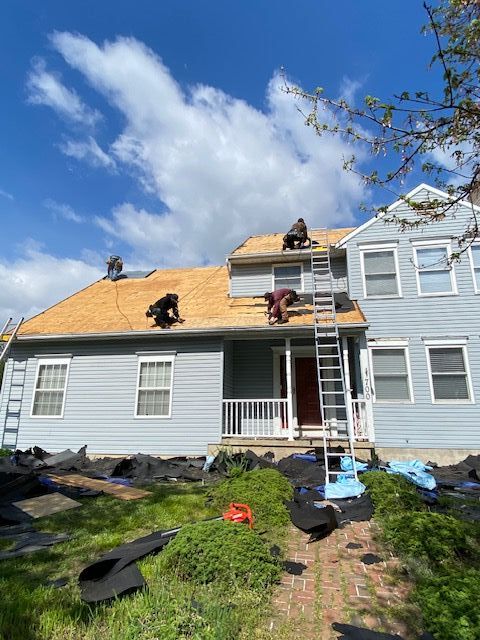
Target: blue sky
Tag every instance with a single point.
(158, 130)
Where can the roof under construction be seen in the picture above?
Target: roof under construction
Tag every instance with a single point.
(272, 243)
(111, 307)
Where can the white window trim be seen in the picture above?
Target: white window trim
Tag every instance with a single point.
(372, 248)
(51, 360)
(154, 358)
(472, 265)
(446, 344)
(391, 344)
(289, 264)
(434, 244)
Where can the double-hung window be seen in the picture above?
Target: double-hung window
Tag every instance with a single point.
(154, 387)
(50, 388)
(391, 374)
(475, 264)
(380, 271)
(449, 374)
(435, 275)
(288, 277)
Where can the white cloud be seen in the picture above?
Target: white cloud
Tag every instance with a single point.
(89, 151)
(36, 280)
(7, 195)
(220, 168)
(45, 88)
(63, 211)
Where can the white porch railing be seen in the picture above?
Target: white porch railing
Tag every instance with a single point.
(360, 420)
(255, 418)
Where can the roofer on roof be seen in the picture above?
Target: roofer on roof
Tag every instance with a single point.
(160, 311)
(296, 236)
(114, 267)
(278, 301)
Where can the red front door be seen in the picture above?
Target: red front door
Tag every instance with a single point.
(308, 403)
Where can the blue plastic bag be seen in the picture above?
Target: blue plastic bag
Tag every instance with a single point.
(346, 464)
(345, 487)
(414, 471)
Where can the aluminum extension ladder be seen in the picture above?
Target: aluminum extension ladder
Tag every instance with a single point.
(336, 420)
(7, 335)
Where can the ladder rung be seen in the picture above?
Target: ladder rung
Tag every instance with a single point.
(334, 406)
(339, 455)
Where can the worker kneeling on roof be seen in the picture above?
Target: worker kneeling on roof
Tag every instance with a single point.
(278, 301)
(114, 267)
(161, 308)
(297, 237)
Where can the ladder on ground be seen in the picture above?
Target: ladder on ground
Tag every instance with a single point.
(336, 416)
(14, 384)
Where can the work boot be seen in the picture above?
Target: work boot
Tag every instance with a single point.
(282, 321)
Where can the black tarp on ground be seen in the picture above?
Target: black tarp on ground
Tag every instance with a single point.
(31, 540)
(317, 521)
(451, 475)
(116, 573)
(302, 473)
(354, 509)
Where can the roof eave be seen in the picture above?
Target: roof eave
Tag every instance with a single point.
(278, 255)
(119, 335)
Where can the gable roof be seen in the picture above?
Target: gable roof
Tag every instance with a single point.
(272, 242)
(107, 307)
(411, 194)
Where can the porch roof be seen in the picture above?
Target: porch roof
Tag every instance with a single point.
(272, 242)
(107, 307)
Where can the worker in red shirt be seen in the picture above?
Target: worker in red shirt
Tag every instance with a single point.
(278, 301)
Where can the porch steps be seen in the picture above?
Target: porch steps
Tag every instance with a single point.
(337, 420)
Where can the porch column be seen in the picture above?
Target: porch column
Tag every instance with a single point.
(348, 387)
(367, 385)
(288, 375)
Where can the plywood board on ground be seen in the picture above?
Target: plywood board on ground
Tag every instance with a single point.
(46, 505)
(117, 490)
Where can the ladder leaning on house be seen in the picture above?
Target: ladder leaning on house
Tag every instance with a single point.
(14, 385)
(336, 420)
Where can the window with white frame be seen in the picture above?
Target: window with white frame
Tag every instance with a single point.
(154, 387)
(434, 273)
(380, 272)
(50, 387)
(391, 374)
(288, 277)
(449, 375)
(475, 264)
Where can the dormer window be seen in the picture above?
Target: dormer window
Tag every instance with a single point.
(288, 277)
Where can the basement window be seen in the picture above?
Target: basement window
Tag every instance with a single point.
(50, 387)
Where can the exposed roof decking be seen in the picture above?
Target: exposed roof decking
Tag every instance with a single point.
(272, 243)
(204, 303)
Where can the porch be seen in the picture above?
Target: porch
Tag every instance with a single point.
(271, 392)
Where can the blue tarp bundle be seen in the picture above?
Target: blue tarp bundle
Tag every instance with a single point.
(345, 487)
(346, 464)
(308, 457)
(415, 471)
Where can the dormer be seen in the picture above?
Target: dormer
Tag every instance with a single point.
(260, 265)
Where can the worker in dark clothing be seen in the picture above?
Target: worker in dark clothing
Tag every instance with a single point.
(278, 301)
(114, 267)
(297, 237)
(161, 308)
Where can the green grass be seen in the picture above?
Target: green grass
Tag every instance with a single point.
(170, 609)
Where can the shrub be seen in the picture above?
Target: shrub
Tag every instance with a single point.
(264, 490)
(391, 494)
(223, 552)
(5, 452)
(449, 604)
(423, 535)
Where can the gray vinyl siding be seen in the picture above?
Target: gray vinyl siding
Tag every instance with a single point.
(253, 368)
(228, 376)
(422, 424)
(254, 279)
(101, 395)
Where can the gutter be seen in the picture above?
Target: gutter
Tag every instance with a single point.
(122, 335)
(277, 255)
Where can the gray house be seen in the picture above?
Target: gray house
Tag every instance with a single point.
(93, 370)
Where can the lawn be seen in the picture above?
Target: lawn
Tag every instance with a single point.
(170, 609)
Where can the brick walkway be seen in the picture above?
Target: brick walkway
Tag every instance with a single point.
(337, 587)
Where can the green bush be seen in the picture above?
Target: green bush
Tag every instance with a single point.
(391, 494)
(449, 604)
(223, 552)
(427, 536)
(264, 490)
(5, 452)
